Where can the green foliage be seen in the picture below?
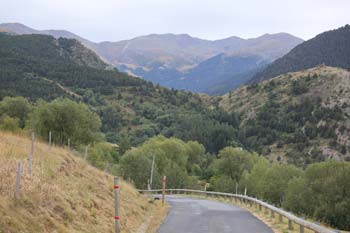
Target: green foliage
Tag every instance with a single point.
(102, 153)
(66, 119)
(230, 165)
(136, 168)
(298, 87)
(323, 193)
(16, 107)
(172, 157)
(9, 124)
(273, 182)
(281, 123)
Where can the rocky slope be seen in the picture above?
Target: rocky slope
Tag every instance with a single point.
(298, 117)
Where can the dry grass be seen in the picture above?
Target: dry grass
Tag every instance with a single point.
(64, 194)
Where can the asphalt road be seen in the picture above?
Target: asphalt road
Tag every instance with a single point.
(188, 215)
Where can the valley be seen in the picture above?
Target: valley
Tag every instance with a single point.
(274, 127)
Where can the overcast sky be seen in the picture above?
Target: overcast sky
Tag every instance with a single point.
(112, 20)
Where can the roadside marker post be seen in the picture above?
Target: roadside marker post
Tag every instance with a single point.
(163, 191)
(116, 205)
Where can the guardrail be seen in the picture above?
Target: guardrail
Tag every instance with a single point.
(303, 224)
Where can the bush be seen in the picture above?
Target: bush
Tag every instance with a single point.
(9, 124)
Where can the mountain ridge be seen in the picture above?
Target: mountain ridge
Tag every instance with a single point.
(166, 58)
(331, 48)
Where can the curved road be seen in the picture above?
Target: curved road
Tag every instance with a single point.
(188, 215)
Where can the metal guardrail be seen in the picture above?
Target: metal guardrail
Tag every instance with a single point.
(303, 224)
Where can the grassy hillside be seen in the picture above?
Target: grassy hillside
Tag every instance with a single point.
(65, 194)
(298, 117)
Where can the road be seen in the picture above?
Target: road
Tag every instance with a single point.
(189, 215)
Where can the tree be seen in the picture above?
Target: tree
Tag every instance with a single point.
(171, 159)
(16, 107)
(136, 167)
(66, 119)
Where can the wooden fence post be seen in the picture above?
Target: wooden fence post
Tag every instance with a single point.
(106, 167)
(281, 218)
(86, 153)
(116, 205)
(18, 180)
(163, 192)
(68, 143)
(50, 134)
(30, 157)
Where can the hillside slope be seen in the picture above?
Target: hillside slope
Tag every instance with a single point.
(299, 117)
(42, 67)
(64, 193)
(331, 48)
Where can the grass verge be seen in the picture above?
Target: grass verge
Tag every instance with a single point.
(65, 194)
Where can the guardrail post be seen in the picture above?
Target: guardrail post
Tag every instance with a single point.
(163, 192)
(18, 180)
(290, 224)
(272, 214)
(280, 218)
(266, 211)
(68, 143)
(302, 229)
(116, 205)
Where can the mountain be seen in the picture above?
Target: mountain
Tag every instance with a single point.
(21, 29)
(131, 109)
(176, 60)
(179, 61)
(220, 74)
(331, 48)
(299, 117)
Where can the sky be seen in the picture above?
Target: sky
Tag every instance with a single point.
(113, 20)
